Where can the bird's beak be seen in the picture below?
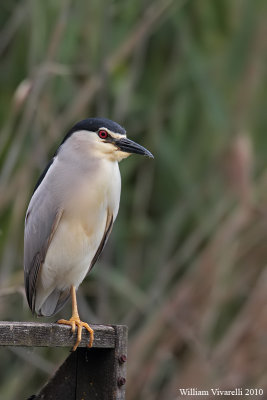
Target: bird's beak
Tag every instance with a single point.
(129, 146)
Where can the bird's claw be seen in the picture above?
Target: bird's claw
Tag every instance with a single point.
(75, 321)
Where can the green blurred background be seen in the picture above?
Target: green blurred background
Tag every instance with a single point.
(185, 264)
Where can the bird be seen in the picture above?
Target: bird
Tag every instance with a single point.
(71, 214)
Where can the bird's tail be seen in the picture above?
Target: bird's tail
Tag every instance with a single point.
(53, 302)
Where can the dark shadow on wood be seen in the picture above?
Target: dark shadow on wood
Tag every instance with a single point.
(63, 383)
(86, 374)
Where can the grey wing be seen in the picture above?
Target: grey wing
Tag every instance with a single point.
(42, 219)
(108, 228)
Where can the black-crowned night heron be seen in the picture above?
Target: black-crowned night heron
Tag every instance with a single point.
(71, 214)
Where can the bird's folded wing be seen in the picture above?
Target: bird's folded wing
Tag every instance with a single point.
(108, 228)
(41, 222)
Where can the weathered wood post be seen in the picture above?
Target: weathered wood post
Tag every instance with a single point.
(96, 373)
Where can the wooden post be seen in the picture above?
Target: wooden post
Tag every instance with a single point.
(96, 373)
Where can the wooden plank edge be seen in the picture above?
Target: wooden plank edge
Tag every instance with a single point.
(35, 334)
(121, 360)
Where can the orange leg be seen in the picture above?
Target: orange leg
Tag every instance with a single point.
(75, 321)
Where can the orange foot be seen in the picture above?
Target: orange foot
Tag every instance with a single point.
(75, 321)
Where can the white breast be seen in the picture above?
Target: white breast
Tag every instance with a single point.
(82, 225)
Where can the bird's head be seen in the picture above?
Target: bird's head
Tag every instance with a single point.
(105, 139)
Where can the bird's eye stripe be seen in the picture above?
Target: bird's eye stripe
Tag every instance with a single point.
(102, 134)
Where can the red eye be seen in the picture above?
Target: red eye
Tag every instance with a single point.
(102, 134)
